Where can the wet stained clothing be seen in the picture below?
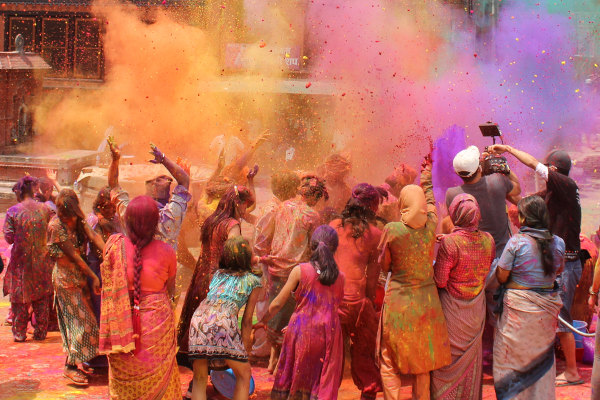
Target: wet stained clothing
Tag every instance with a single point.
(29, 274)
(170, 216)
(41, 310)
(413, 337)
(490, 192)
(76, 318)
(214, 331)
(295, 222)
(311, 361)
(463, 262)
(207, 265)
(357, 259)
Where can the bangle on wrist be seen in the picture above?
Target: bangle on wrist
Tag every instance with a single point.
(592, 292)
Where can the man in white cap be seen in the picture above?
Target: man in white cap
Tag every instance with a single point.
(491, 192)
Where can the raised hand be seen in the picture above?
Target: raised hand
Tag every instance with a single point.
(252, 173)
(114, 149)
(427, 163)
(266, 135)
(51, 174)
(159, 156)
(498, 149)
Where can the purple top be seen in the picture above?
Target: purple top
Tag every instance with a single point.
(29, 273)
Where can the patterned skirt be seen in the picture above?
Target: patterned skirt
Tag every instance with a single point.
(151, 371)
(215, 335)
(77, 323)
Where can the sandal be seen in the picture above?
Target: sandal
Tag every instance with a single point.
(76, 376)
(86, 369)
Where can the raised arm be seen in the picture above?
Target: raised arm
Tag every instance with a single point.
(180, 175)
(247, 155)
(51, 175)
(520, 155)
(514, 196)
(113, 168)
(427, 184)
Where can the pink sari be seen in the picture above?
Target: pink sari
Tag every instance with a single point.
(148, 371)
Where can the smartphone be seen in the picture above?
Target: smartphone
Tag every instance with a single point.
(490, 129)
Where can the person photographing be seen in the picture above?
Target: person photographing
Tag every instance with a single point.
(564, 207)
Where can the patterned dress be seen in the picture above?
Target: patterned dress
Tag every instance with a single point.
(207, 265)
(214, 331)
(28, 278)
(76, 319)
(311, 361)
(413, 327)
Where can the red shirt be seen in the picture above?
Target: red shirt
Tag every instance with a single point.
(463, 262)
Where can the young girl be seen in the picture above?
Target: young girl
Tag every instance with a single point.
(215, 339)
(311, 360)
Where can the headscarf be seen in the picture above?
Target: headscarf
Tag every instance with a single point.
(465, 213)
(413, 206)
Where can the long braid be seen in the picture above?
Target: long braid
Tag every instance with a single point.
(141, 219)
(138, 244)
(137, 271)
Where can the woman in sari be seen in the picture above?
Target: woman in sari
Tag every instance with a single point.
(413, 339)
(524, 366)
(137, 323)
(68, 234)
(463, 261)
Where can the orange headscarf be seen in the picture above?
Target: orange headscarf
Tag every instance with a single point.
(413, 206)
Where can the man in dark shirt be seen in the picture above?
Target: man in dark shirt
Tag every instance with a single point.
(564, 207)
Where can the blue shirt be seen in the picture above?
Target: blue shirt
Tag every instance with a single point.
(523, 258)
(232, 288)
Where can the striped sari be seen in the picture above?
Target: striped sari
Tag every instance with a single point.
(524, 366)
(465, 320)
(146, 370)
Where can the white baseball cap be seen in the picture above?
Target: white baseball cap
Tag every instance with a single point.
(466, 162)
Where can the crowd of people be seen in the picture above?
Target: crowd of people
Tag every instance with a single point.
(408, 288)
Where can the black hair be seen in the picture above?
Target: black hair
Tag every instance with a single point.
(237, 255)
(26, 186)
(535, 215)
(323, 244)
